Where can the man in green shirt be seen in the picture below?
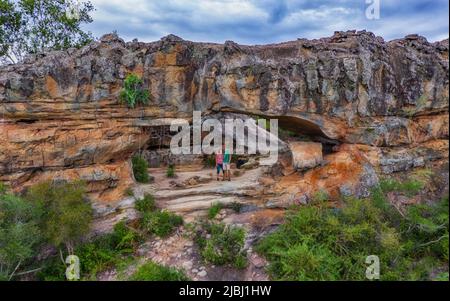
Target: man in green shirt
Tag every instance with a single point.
(226, 164)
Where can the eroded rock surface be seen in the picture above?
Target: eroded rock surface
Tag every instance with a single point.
(60, 116)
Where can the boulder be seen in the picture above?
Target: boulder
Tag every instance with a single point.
(306, 155)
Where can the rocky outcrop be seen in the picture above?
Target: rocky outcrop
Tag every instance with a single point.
(60, 116)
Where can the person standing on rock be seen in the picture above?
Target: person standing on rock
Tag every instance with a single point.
(227, 165)
(219, 164)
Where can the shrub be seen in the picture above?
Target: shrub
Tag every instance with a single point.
(170, 171)
(155, 272)
(106, 251)
(140, 166)
(147, 204)
(220, 244)
(19, 233)
(160, 223)
(320, 243)
(52, 270)
(66, 214)
(214, 210)
(133, 93)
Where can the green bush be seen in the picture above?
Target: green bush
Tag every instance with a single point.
(221, 244)
(170, 171)
(66, 215)
(107, 251)
(140, 166)
(147, 204)
(52, 269)
(155, 272)
(101, 253)
(320, 243)
(214, 210)
(160, 223)
(133, 93)
(20, 235)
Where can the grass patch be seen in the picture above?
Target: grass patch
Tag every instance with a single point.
(147, 204)
(156, 272)
(161, 223)
(154, 221)
(221, 244)
(214, 210)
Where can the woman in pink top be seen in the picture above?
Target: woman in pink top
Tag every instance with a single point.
(219, 163)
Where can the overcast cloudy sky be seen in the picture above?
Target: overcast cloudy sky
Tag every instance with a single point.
(266, 21)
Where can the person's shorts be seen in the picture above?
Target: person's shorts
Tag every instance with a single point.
(219, 167)
(226, 166)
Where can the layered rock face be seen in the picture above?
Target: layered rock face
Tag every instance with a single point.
(60, 116)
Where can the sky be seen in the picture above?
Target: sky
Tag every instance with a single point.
(267, 21)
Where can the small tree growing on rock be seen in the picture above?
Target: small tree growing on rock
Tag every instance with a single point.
(133, 93)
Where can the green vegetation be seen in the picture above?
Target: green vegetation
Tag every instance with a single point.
(155, 221)
(133, 93)
(147, 204)
(31, 26)
(97, 255)
(221, 244)
(160, 223)
(65, 214)
(214, 210)
(321, 243)
(19, 233)
(54, 213)
(140, 166)
(155, 272)
(170, 171)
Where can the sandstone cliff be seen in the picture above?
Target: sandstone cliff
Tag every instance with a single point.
(386, 103)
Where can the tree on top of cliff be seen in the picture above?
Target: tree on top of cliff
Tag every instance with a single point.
(31, 26)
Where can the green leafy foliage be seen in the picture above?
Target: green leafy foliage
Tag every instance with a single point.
(160, 223)
(170, 173)
(321, 243)
(221, 244)
(146, 204)
(97, 255)
(65, 213)
(155, 221)
(133, 93)
(140, 166)
(214, 210)
(19, 233)
(151, 271)
(31, 26)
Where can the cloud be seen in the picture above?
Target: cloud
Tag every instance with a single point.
(265, 21)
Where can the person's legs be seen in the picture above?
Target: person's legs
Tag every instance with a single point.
(218, 168)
